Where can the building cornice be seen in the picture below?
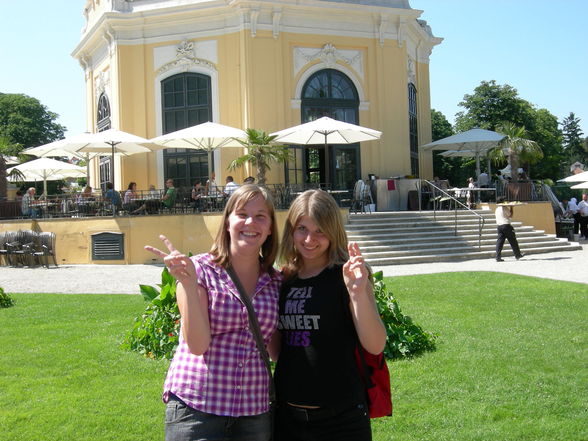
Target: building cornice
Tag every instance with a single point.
(152, 22)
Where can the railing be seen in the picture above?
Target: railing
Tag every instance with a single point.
(456, 202)
(149, 202)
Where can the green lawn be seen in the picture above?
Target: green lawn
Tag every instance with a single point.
(511, 364)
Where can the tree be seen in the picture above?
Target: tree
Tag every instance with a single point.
(572, 140)
(491, 105)
(517, 147)
(548, 135)
(260, 153)
(440, 127)
(24, 122)
(444, 167)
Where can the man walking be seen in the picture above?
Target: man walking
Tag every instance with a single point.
(505, 230)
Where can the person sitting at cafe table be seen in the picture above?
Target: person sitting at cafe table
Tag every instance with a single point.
(130, 200)
(249, 180)
(230, 186)
(112, 197)
(169, 198)
(196, 196)
(85, 199)
(28, 204)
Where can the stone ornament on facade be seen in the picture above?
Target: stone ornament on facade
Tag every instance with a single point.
(410, 71)
(102, 84)
(186, 58)
(276, 17)
(329, 55)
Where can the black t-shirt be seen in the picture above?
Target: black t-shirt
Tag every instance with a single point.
(316, 365)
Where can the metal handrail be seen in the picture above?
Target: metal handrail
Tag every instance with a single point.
(480, 218)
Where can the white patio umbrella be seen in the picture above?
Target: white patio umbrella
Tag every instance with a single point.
(479, 141)
(579, 177)
(207, 136)
(581, 186)
(47, 169)
(325, 131)
(108, 142)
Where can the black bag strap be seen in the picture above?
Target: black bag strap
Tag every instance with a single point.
(255, 330)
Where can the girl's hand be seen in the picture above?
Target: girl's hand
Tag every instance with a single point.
(355, 272)
(180, 266)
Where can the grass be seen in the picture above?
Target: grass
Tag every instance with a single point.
(511, 360)
(511, 364)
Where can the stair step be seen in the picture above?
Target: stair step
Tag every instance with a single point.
(388, 238)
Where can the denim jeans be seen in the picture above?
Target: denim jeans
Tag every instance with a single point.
(183, 423)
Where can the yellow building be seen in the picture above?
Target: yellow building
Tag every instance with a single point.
(153, 67)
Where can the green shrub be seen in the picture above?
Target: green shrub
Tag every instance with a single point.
(155, 332)
(5, 300)
(405, 338)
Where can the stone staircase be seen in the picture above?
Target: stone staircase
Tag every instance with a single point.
(389, 238)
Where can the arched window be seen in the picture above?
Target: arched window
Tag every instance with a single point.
(413, 130)
(103, 123)
(331, 93)
(186, 101)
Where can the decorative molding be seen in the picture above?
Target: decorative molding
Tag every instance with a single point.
(276, 17)
(185, 49)
(85, 61)
(186, 59)
(102, 84)
(400, 36)
(329, 55)
(253, 19)
(110, 38)
(382, 28)
(410, 70)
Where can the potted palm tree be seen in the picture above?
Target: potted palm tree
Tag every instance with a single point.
(260, 153)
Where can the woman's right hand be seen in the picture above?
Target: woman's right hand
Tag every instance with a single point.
(179, 265)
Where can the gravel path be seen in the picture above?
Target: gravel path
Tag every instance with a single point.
(125, 279)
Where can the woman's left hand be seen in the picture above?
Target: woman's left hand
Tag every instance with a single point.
(355, 272)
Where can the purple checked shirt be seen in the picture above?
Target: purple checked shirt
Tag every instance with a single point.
(230, 378)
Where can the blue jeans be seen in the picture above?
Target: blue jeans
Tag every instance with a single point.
(183, 423)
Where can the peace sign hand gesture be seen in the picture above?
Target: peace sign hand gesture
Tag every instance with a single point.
(355, 272)
(180, 266)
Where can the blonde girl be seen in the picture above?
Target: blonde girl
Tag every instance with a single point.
(326, 306)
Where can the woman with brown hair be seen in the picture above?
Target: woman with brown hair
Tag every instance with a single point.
(217, 386)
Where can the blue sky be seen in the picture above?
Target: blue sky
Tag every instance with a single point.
(540, 47)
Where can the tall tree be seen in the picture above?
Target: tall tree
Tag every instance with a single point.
(491, 105)
(24, 122)
(517, 147)
(260, 153)
(440, 127)
(548, 135)
(572, 140)
(446, 168)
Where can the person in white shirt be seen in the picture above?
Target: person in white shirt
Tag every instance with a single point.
(572, 210)
(28, 204)
(230, 186)
(211, 189)
(583, 212)
(505, 230)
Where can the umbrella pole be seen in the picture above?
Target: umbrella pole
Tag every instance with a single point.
(112, 166)
(477, 164)
(87, 167)
(327, 168)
